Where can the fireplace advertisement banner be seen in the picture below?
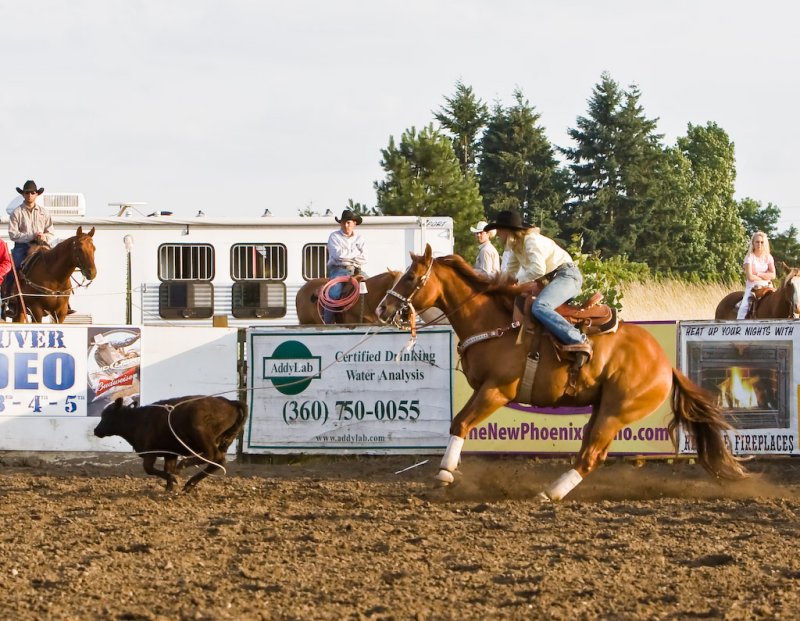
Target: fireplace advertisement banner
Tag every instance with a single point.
(753, 371)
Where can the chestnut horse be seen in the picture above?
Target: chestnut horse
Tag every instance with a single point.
(783, 303)
(46, 274)
(377, 286)
(628, 377)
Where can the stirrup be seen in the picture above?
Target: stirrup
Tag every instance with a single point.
(584, 347)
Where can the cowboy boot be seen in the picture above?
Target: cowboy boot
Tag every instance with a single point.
(583, 351)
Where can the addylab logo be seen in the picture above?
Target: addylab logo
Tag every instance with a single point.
(291, 367)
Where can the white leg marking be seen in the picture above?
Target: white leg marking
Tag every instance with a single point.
(563, 485)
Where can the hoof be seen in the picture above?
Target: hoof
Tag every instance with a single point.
(444, 477)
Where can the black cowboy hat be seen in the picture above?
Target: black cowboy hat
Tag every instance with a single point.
(508, 220)
(30, 186)
(349, 215)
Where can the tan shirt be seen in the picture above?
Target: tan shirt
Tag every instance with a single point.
(25, 223)
(537, 256)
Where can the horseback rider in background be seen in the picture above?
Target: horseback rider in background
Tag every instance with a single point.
(30, 223)
(347, 254)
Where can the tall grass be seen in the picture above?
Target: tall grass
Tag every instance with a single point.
(671, 300)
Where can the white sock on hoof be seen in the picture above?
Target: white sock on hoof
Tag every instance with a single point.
(452, 454)
(445, 477)
(563, 485)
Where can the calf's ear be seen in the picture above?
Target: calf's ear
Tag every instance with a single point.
(118, 403)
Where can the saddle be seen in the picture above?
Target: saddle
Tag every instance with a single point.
(756, 296)
(592, 318)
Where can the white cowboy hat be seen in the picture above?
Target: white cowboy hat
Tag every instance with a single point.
(478, 228)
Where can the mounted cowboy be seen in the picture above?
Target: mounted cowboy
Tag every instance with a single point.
(347, 254)
(537, 259)
(30, 223)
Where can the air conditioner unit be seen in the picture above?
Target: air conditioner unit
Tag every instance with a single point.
(57, 203)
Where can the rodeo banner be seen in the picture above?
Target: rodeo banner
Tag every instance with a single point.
(49, 371)
(340, 391)
(751, 369)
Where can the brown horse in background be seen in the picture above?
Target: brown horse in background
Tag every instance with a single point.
(783, 303)
(45, 277)
(628, 377)
(377, 286)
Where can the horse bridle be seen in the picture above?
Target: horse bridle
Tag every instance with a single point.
(405, 301)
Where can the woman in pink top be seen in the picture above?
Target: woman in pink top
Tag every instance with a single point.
(759, 269)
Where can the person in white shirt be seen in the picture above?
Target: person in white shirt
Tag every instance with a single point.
(534, 256)
(488, 260)
(759, 270)
(347, 254)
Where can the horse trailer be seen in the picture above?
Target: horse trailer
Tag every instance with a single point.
(166, 269)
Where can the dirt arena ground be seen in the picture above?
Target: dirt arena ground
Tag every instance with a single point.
(85, 537)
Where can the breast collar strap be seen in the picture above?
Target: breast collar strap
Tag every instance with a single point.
(485, 336)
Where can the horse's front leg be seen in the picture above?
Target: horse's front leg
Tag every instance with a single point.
(478, 408)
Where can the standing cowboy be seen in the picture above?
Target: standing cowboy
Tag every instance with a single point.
(347, 254)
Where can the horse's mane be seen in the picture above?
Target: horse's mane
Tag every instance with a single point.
(500, 286)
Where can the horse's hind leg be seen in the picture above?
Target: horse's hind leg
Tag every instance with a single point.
(599, 434)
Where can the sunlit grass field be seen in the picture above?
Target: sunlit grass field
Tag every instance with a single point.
(671, 300)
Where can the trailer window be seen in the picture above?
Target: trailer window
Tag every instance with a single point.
(315, 259)
(185, 262)
(186, 300)
(258, 272)
(258, 262)
(254, 299)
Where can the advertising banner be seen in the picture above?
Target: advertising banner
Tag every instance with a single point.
(751, 369)
(546, 431)
(335, 391)
(48, 371)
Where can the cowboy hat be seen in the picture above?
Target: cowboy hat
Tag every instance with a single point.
(30, 186)
(349, 215)
(478, 228)
(508, 220)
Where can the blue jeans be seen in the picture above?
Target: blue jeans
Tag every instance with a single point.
(566, 284)
(18, 253)
(335, 292)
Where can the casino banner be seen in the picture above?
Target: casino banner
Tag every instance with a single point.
(348, 391)
(552, 431)
(751, 368)
(50, 371)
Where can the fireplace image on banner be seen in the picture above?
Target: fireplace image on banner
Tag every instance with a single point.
(750, 380)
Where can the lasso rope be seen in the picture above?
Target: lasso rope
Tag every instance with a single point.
(326, 302)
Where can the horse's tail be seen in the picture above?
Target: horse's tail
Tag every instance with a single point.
(703, 420)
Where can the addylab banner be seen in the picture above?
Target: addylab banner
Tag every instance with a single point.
(752, 368)
(348, 391)
(552, 431)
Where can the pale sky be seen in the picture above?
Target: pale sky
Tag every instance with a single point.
(235, 106)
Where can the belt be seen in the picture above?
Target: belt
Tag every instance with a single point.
(550, 275)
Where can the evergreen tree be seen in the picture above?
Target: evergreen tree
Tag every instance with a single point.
(785, 248)
(613, 173)
(711, 155)
(518, 168)
(423, 178)
(757, 218)
(464, 117)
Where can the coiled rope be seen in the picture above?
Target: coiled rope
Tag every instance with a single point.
(326, 302)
